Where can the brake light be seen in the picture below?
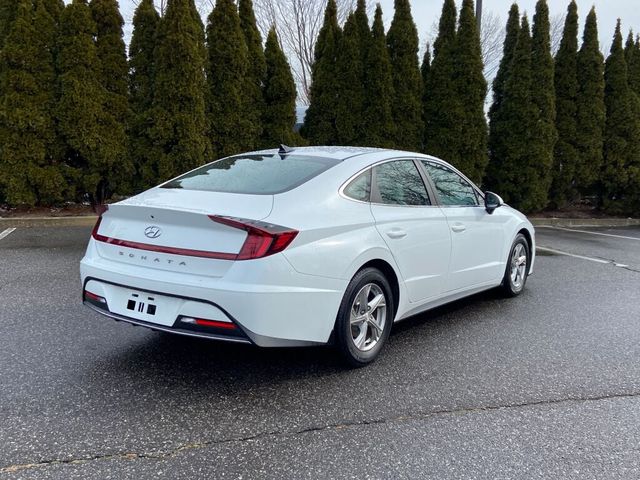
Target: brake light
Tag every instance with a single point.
(263, 239)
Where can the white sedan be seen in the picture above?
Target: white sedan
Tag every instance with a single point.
(304, 246)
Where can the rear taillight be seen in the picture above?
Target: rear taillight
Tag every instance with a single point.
(263, 239)
(202, 322)
(100, 210)
(94, 297)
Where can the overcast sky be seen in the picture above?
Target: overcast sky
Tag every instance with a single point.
(427, 12)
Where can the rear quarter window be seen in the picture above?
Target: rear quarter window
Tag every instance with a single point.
(254, 174)
(360, 187)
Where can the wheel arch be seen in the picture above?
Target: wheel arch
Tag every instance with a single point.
(389, 272)
(529, 237)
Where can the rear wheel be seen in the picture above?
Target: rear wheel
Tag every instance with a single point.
(515, 275)
(365, 317)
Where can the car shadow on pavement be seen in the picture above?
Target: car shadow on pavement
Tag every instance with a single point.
(445, 314)
(227, 367)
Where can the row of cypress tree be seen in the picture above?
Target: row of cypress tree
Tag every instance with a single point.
(559, 128)
(368, 87)
(566, 127)
(77, 117)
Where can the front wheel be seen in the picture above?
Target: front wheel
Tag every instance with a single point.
(515, 275)
(365, 317)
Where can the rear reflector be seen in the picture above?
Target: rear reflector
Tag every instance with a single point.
(263, 239)
(209, 323)
(94, 297)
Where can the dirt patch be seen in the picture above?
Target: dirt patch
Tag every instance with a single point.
(69, 210)
(575, 211)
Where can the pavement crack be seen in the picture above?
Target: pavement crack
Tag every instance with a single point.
(132, 455)
(159, 455)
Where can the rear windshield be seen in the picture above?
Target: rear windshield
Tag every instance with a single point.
(254, 174)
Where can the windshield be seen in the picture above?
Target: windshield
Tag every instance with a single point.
(254, 174)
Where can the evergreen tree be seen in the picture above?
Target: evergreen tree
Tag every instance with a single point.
(82, 120)
(362, 21)
(47, 24)
(8, 11)
(498, 123)
(425, 70)
(543, 96)
(320, 120)
(256, 70)
(515, 176)
(352, 57)
(443, 110)
(232, 128)
(633, 204)
(53, 8)
(179, 131)
(590, 107)
(632, 55)
(141, 90)
(621, 172)
(628, 47)
(27, 131)
(279, 96)
(113, 72)
(364, 33)
(471, 90)
(564, 186)
(402, 40)
(378, 107)
(349, 86)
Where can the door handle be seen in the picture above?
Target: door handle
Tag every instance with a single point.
(458, 228)
(396, 233)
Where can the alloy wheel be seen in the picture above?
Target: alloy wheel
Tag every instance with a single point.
(518, 266)
(368, 317)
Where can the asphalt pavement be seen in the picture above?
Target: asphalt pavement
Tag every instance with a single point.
(546, 385)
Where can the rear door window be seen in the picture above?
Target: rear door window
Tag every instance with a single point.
(399, 183)
(254, 174)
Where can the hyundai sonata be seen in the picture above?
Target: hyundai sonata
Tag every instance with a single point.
(304, 246)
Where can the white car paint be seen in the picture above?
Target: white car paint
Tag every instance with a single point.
(437, 254)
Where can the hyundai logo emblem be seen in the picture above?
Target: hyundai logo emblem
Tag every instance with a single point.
(152, 232)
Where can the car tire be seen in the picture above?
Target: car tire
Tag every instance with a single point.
(517, 269)
(361, 331)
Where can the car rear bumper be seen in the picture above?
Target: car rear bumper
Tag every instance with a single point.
(293, 310)
(160, 328)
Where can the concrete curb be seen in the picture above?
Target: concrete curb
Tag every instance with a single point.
(26, 222)
(585, 222)
(90, 220)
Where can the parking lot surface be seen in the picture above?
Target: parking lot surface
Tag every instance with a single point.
(546, 385)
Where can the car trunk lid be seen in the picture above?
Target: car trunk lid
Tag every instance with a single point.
(172, 230)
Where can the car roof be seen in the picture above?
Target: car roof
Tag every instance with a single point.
(334, 152)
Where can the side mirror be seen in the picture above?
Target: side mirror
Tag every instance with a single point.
(492, 201)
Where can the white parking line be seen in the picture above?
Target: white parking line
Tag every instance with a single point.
(5, 233)
(590, 232)
(591, 259)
